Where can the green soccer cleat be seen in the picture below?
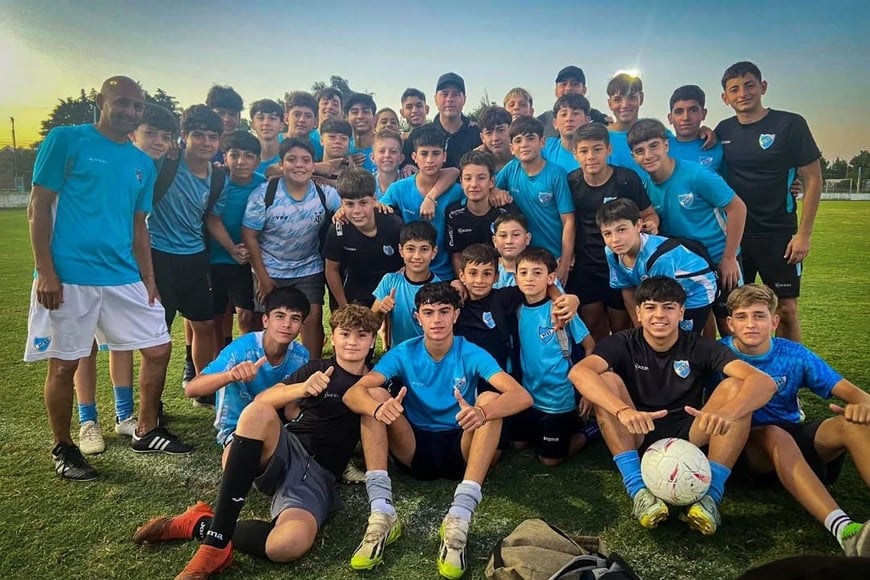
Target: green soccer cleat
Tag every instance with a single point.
(649, 510)
(703, 516)
(382, 531)
(451, 554)
(856, 540)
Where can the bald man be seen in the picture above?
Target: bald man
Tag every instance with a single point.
(91, 192)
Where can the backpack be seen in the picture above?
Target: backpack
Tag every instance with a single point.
(693, 246)
(537, 550)
(269, 199)
(167, 175)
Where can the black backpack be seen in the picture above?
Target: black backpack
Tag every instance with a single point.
(693, 246)
(269, 199)
(167, 175)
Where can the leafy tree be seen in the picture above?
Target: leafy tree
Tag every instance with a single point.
(837, 170)
(825, 164)
(338, 83)
(483, 103)
(164, 99)
(72, 111)
(861, 160)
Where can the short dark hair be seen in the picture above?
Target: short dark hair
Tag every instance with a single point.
(287, 297)
(360, 99)
(572, 101)
(538, 256)
(644, 130)
(336, 126)
(418, 231)
(328, 93)
(160, 118)
(411, 92)
(355, 183)
(301, 99)
(660, 289)
(429, 136)
(268, 107)
(526, 125)
(437, 293)
(741, 69)
(201, 118)
(624, 84)
(479, 254)
(474, 157)
(241, 140)
(592, 132)
(687, 93)
(288, 144)
(510, 217)
(491, 117)
(615, 210)
(224, 97)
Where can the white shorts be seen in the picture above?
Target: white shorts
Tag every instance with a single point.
(118, 316)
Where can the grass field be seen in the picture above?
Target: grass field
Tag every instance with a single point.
(58, 529)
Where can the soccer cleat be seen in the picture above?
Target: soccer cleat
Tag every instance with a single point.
(207, 562)
(205, 402)
(160, 440)
(649, 510)
(353, 474)
(451, 554)
(126, 427)
(703, 516)
(91, 439)
(382, 531)
(69, 463)
(856, 539)
(165, 528)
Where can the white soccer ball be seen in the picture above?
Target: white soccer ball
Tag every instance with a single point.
(675, 471)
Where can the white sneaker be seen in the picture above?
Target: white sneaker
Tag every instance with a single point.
(127, 427)
(353, 474)
(91, 439)
(451, 554)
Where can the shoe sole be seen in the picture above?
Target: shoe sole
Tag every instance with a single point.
(166, 452)
(654, 520)
(700, 524)
(91, 451)
(81, 479)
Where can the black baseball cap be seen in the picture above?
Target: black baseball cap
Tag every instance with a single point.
(450, 79)
(571, 72)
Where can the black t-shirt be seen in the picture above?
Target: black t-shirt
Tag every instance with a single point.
(588, 243)
(760, 161)
(664, 380)
(364, 260)
(327, 429)
(491, 324)
(464, 228)
(458, 144)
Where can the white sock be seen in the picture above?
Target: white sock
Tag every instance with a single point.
(835, 522)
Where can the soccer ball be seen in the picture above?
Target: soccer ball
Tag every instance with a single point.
(675, 471)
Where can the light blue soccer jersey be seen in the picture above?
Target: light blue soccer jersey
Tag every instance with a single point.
(555, 153)
(267, 163)
(379, 193)
(689, 204)
(316, 144)
(621, 153)
(232, 213)
(100, 186)
(693, 152)
(679, 263)
(176, 222)
(430, 404)
(403, 323)
(792, 367)
(289, 229)
(405, 195)
(368, 164)
(233, 398)
(542, 198)
(508, 279)
(545, 367)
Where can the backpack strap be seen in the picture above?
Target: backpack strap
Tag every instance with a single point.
(215, 188)
(271, 190)
(668, 245)
(167, 174)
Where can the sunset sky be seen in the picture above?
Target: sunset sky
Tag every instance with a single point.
(814, 55)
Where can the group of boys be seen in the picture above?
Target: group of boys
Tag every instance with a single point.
(477, 262)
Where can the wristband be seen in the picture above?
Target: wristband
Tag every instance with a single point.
(375, 412)
(482, 412)
(433, 200)
(620, 410)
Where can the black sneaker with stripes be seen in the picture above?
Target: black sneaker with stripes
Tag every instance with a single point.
(160, 440)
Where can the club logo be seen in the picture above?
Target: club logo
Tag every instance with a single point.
(139, 176)
(545, 197)
(388, 250)
(488, 320)
(780, 382)
(687, 325)
(705, 161)
(459, 383)
(686, 199)
(765, 140)
(682, 368)
(608, 198)
(41, 343)
(546, 334)
(339, 230)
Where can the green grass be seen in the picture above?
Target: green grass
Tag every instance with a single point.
(53, 528)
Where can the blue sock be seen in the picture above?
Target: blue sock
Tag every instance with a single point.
(628, 463)
(123, 402)
(87, 412)
(719, 475)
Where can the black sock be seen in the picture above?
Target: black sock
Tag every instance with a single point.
(250, 537)
(188, 354)
(201, 527)
(227, 340)
(239, 473)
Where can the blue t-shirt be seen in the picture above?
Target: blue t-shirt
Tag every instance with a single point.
(555, 153)
(368, 164)
(232, 213)
(266, 164)
(509, 279)
(679, 263)
(430, 404)
(403, 323)
(689, 204)
(233, 398)
(405, 195)
(379, 193)
(176, 223)
(621, 153)
(545, 368)
(100, 186)
(316, 144)
(289, 229)
(792, 367)
(542, 198)
(693, 151)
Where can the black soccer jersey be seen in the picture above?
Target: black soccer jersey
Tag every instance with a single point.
(664, 380)
(491, 324)
(588, 243)
(457, 144)
(464, 228)
(364, 260)
(761, 160)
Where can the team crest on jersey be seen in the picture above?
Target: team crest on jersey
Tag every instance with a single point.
(459, 383)
(488, 320)
(682, 368)
(41, 343)
(339, 230)
(608, 198)
(780, 382)
(139, 177)
(546, 334)
(705, 161)
(388, 250)
(687, 325)
(765, 140)
(545, 197)
(686, 199)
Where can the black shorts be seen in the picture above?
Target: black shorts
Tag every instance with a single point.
(550, 433)
(438, 455)
(674, 424)
(184, 285)
(592, 288)
(312, 286)
(232, 284)
(763, 255)
(695, 318)
(804, 434)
